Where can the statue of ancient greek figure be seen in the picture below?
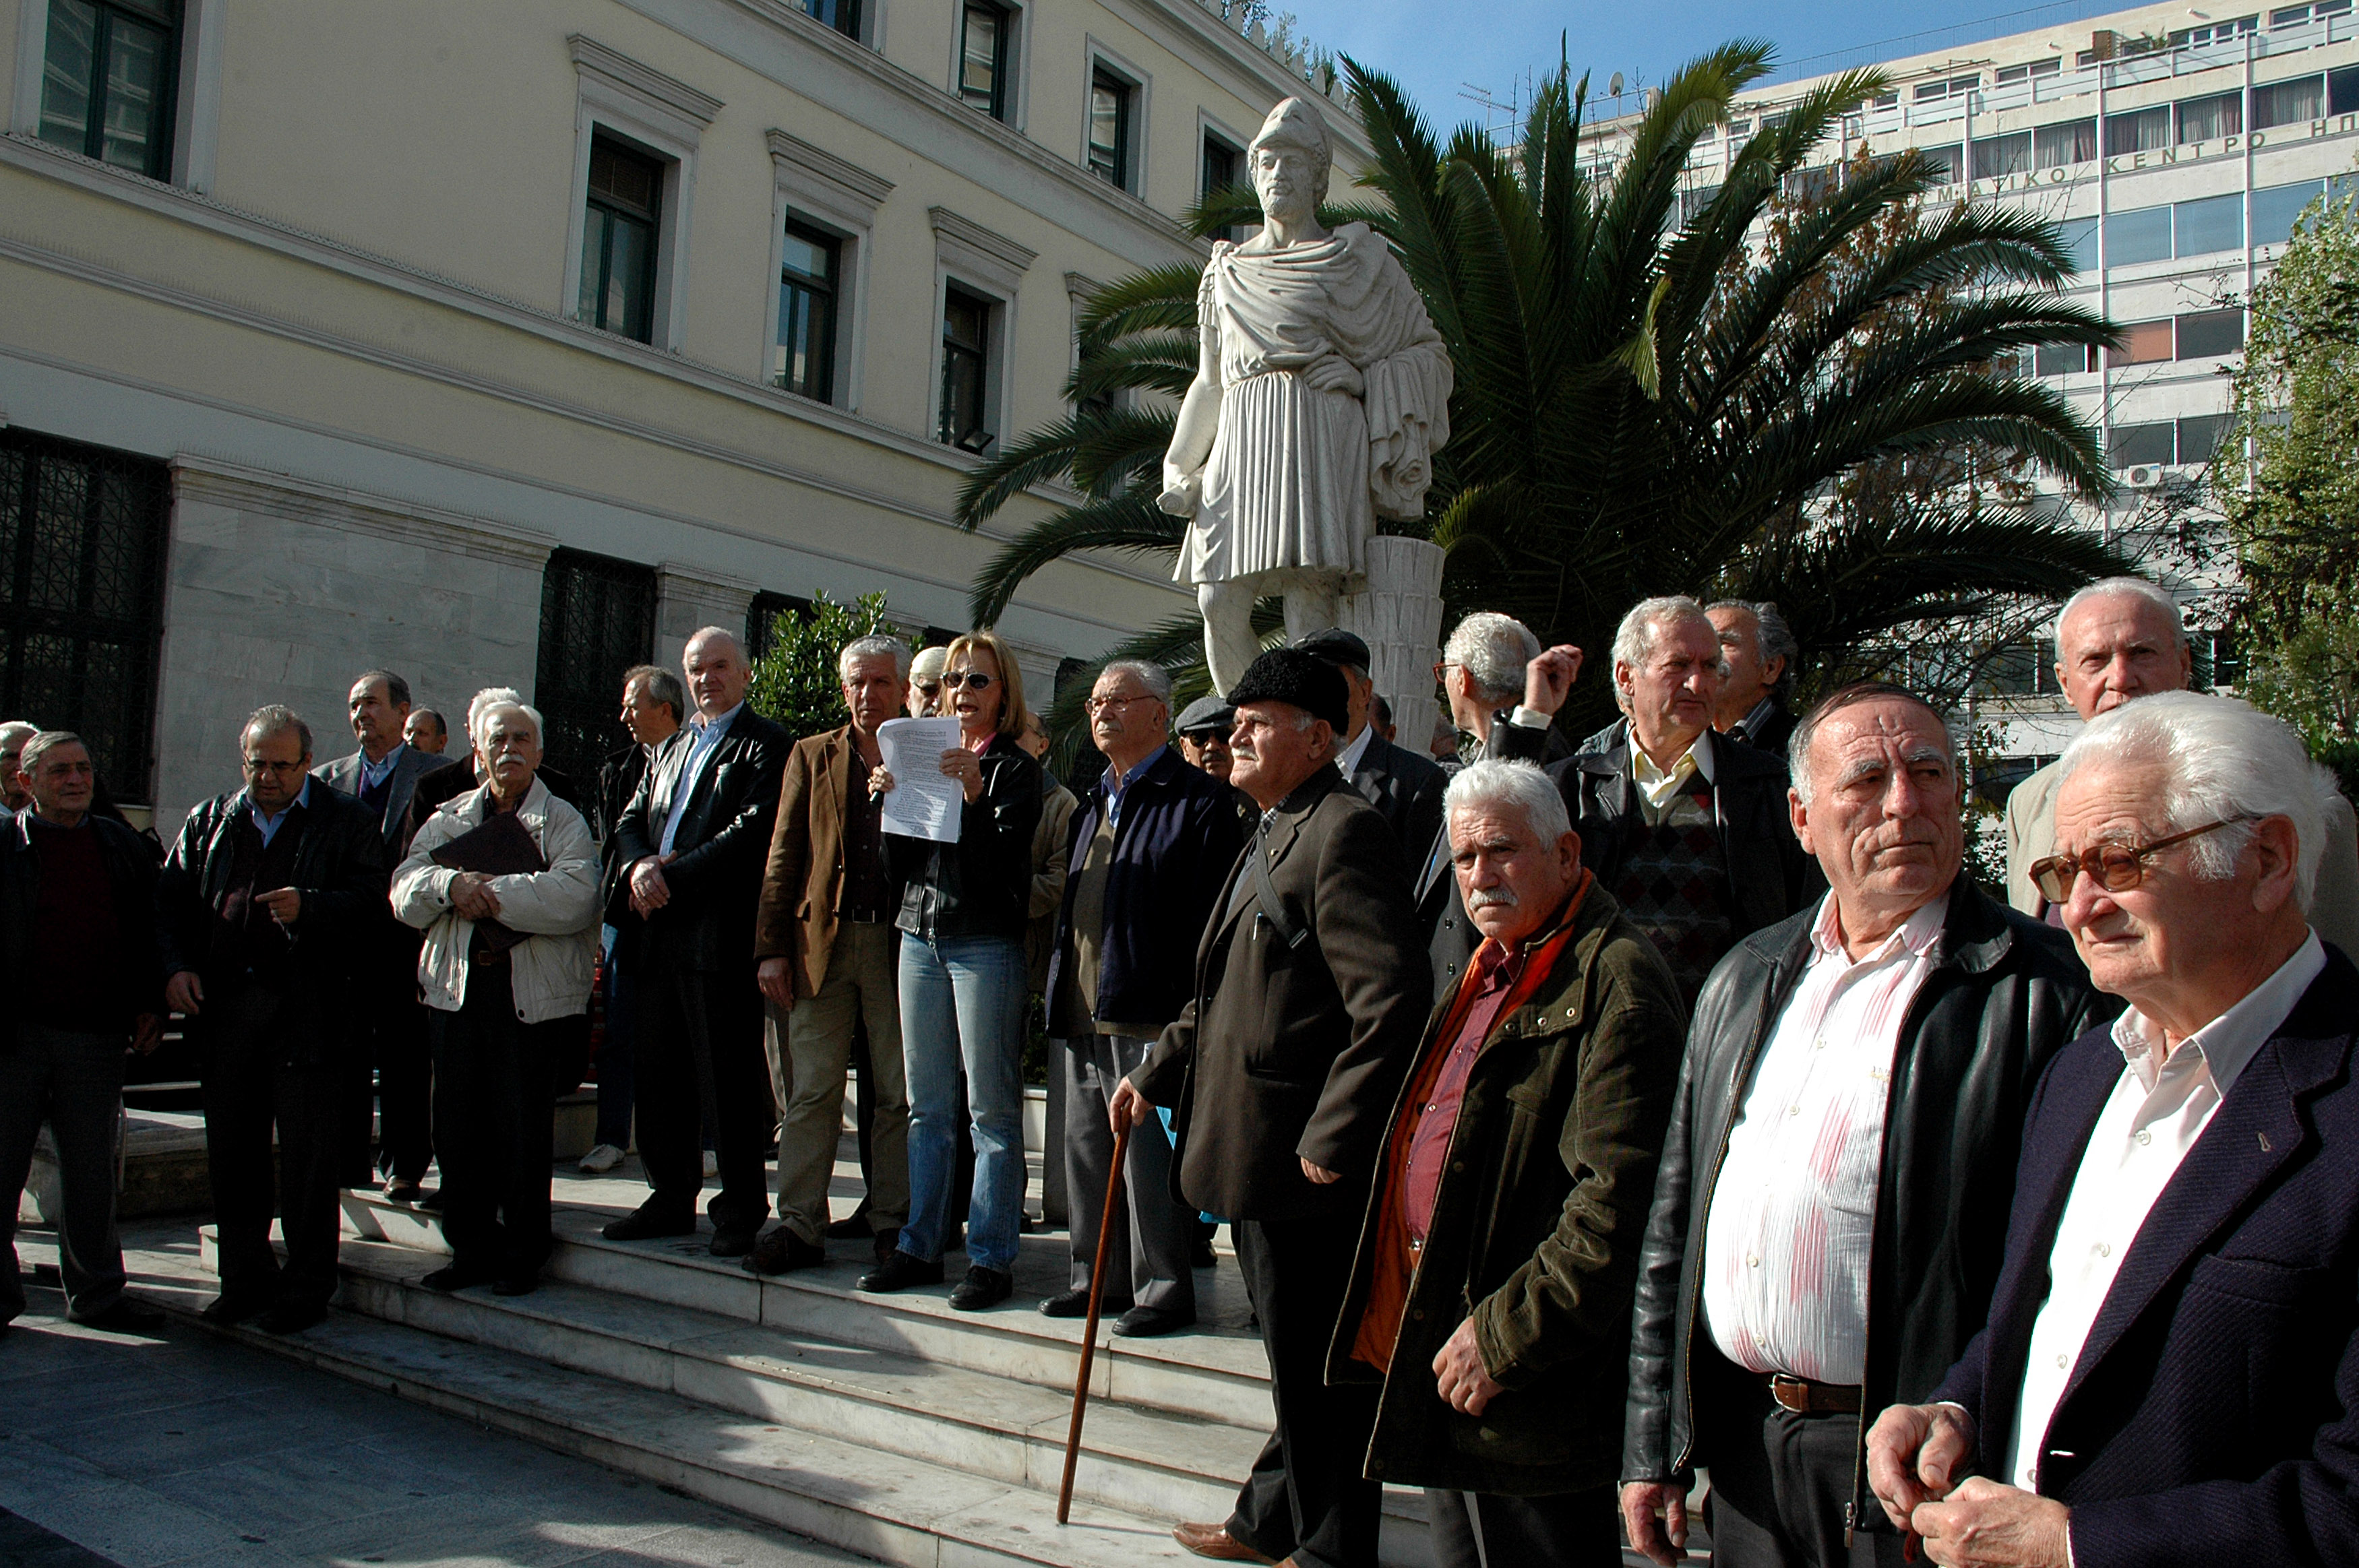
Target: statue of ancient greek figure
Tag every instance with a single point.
(1322, 394)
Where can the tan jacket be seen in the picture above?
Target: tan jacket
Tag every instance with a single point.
(2333, 903)
(802, 887)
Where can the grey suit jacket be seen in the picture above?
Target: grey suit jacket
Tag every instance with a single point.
(2333, 905)
(408, 767)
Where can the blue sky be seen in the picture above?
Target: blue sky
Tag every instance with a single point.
(1434, 49)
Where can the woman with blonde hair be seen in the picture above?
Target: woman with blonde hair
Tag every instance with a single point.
(963, 913)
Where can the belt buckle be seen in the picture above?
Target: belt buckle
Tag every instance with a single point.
(1790, 1392)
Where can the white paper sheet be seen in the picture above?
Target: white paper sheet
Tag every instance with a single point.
(924, 801)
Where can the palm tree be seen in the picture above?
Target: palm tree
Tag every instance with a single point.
(1648, 407)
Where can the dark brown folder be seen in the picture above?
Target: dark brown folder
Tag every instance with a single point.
(500, 845)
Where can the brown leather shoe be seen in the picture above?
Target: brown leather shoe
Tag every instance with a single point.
(1214, 1540)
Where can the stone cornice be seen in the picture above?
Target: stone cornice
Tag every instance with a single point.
(627, 75)
(949, 225)
(196, 477)
(848, 179)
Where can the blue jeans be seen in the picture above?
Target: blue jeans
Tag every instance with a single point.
(962, 1002)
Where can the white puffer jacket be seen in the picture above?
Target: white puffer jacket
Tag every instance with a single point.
(556, 909)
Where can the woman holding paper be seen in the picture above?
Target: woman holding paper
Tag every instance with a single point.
(963, 907)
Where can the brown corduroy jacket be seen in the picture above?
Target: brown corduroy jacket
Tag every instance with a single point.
(802, 887)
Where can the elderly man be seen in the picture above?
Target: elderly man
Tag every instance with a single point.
(2117, 640)
(1301, 1021)
(654, 702)
(1824, 1236)
(425, 731)
(1149, 851)
(691, 847)
(830, 955)
(1407, 788)
(2168, 1367)
(391, 1025)
(924, 698)
(268, 912)
(455, 778)
(1759, 649)
(14, 795)
(1490, 1292)
(78, 963)
(1493, 671)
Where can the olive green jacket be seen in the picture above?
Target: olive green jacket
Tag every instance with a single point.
(1536, 1228)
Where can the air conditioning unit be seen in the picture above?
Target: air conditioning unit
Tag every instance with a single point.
(2142, 476)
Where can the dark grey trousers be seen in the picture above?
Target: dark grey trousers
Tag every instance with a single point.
(1781, 1483)
(1574, 1529)
(73, 1082)
(1147, 1259)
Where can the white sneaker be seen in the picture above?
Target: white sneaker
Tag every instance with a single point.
(601, 1160)
(711, 1163)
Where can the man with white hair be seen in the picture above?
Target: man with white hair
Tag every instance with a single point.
(14, 794)
(1493, 672)
(456, 777)
(1759, 649)
(829, 957)
(2169, 1371)
(1824, 1235)
(1490, 1293)
(2116, 641)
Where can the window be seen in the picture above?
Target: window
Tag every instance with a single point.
(1997, 155)
(1110, 109)
(1693, 202)
(2295, 16)
(2065, 359)
(1890, 99)
(1222, 166)
(82, 533)
(2135, 444)
(2203, 334)
(809, 268)
(2199, 436)
(1951, 87)
(2140, 131)
(2217, 666)
(618, 241)
(2275, 208)
(2008, 74)
(2209, 119)
(1740, 129)
(2143, 343)
(107, 79)
(2214, 223)
(2053, 146)
(2140, 234)
(2288, 102)
(843, 15)
(762, 620)
(597, 620)
(982, 58)
(2217, 33)
(2078, 237)
(2343, 90)
(1945, 163)
(966, 359)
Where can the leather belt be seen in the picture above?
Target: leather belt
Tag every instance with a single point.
(1805, 1398)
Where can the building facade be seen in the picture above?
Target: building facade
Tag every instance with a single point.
(507, 345)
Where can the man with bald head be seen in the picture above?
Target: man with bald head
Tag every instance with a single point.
(690, 852)
(1828, 1220)
(2116, 641)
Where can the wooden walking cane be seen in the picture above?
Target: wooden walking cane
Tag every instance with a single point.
(1090, 1335)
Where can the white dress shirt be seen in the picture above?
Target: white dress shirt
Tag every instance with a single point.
(1348, 759)
(1657, 786)
(1788, 1235)
(2158, 1108)
(704, 734)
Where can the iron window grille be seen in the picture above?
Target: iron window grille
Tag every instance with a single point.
(618, 241)
(597, 620)
(762, 620)
(109, 68)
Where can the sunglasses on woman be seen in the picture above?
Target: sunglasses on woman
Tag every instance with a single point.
(974, 680)
(2116, 867)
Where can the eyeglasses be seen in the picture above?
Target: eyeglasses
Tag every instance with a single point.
(974, 680)
(1441, 668)
(930, 688)
(2116, 867)
(256, 765)
(1097, 705)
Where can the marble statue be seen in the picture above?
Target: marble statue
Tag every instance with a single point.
(1322, 394)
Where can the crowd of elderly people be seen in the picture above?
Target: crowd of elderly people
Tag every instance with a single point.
(1611, 1133)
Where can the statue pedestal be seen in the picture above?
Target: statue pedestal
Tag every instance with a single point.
(1399, 617)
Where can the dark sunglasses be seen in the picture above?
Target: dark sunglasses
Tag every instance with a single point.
(2116, 867)
(974, 680)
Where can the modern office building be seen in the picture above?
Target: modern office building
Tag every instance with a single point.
(507, 344)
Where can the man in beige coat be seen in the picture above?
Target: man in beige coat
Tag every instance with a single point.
(2122, 639)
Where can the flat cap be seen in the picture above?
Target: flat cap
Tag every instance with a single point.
(1300, 679)
(1207, 713)
(1336, 646)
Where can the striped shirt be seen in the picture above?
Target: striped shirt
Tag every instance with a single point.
(1788, 1237)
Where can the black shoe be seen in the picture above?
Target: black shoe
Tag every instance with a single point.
(401, 1189)
(516, 1284)
(782, 1252)
(457, 1276)
(126, 1316)
(854, 1228)
(1147, 1322)
(886, 1245)
(646, 1222)
(291, 1317)
(430, 1202)
(734, 1240)
(901, 1270)
(1075, 1302)
(982, 1288)
(226, 1309)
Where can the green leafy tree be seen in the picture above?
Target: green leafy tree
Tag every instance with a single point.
(796, 681)
(1645, 403)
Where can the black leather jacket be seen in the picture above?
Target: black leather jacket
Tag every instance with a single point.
(2005, 994)
(981, 885)
(130, 865)
(718, 852)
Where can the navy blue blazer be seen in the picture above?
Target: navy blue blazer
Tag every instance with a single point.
(1177, 838)
(2214, 1416)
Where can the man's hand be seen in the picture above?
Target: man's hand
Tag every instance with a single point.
(146, 1033)
(285, 904)
(1332, 372)
(1548, 678)
(1914, 1455)
(1656, 1515)
(1985, 1525)
(1126, 1107)
(650, 891)
(184, 992)
(472, 896)
(775, 986)
(1458, 1368)
(1319, 1175)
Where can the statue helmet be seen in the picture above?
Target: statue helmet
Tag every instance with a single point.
(1296, 122)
